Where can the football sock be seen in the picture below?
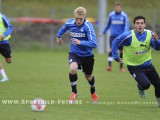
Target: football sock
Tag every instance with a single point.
(73, 80)
(2, 72)
(121, 64)
(109, 63)
(92, 88)
(110, 59)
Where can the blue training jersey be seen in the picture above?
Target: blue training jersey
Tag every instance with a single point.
(9, 28)
(125, 39)
(85, 33)
(117, 23)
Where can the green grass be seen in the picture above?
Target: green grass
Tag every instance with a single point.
(45, 74)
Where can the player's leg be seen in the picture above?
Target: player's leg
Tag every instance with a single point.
(3, 74)
(122, 69)
(8, 60)
(110, 59)
(73, 67)
(143, 82)
(91, 81)
(155, 81)
(73, 76)
(88, 64)
(6, 52)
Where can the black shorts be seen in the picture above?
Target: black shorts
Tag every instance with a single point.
(5, 50)
(86, 63)
(145, 75)
(111, 40)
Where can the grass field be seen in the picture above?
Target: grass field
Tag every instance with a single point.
(45, 74)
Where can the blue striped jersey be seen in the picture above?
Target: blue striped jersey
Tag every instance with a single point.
(85, 33)
(117, 23)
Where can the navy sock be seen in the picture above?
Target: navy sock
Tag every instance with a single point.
(92, 89)
(121, 64)
(73, 80)
(110, 62)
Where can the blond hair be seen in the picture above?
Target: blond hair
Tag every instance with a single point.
(80, 11)
(117, 3)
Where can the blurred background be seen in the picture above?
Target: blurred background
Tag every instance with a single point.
(36, 22)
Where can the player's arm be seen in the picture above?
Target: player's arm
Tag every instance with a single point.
(107, 25)
(8, 25)
(61, 31)
(127, 23)
(122, 40)
(115, 43)
(155, 42)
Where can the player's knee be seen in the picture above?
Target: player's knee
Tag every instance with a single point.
(73, 70)
(88, 77)
(8, 60)
(145, 86)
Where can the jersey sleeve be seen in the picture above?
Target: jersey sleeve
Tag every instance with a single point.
(91, 41)
(155, 44)
(108, 23)
(122, 40)
(62, 30)
(8, 25)
(127, 24)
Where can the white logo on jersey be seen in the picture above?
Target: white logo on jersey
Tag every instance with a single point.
(77, 34)
(117, 22)
(81, 30)
(70, 60)
(121, 18)
(134, 75)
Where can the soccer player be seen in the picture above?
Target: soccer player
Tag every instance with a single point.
(137, 55)
(5, 31)
(82, 40)
(118, 23)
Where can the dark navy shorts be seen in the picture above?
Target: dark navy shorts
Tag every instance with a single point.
(84, 63)
(145, 75)
(5, 50)
(111, 40)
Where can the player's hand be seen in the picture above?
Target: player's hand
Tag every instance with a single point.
(155, 36)
(76, 41)
(121, 60)
(59, 41)
(2, 37)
